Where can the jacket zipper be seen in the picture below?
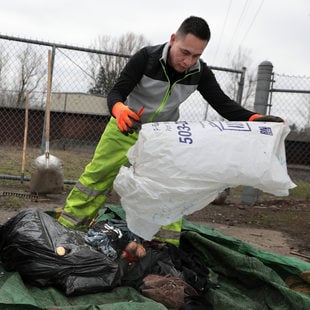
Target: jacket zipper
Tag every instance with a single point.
(168, 92)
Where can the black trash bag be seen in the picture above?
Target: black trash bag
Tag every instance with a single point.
(46, 253)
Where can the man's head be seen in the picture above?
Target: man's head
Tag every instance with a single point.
(188, 43)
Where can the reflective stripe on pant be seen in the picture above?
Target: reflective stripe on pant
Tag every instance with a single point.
(90, 193)
(170, 233)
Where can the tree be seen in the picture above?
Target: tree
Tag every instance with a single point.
(105, 68)
(30, 73)
(242, 59)
(101, 81)
(104, 81)
(3, 62)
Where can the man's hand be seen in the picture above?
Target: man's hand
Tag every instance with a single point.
(269, 118)
(127, 120)
(266, 118)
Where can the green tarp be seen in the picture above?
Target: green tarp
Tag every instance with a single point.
(243, 277)
(248, 278)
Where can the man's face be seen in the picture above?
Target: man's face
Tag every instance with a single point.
(185, 51)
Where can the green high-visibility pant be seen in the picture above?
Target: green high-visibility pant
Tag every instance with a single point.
(90, 193)
(170, 233)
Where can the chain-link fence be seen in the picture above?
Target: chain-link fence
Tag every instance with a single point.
(78, 106)
(78, 112)
(290, 98)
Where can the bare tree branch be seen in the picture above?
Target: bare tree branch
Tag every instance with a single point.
(242, 59)
(105, 69)
(30, 74)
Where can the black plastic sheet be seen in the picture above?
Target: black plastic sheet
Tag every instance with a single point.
(45, 253)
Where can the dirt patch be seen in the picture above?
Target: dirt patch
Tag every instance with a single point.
(12, 202)
(277, 225)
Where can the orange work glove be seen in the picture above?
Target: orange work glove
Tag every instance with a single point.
(265, 118)
(126, 119)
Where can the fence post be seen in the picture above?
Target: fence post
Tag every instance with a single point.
(241, 86)
(250, 195)
(264, 79)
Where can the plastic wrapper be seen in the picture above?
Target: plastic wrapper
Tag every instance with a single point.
(177, 168)
(45, 253)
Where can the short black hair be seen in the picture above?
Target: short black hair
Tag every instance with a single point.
(197, 26)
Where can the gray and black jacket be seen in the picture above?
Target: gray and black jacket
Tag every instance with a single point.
(147, 80)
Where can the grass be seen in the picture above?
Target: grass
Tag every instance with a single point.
(11, 161)
(12, 202)
(74, 162)
(302, 191)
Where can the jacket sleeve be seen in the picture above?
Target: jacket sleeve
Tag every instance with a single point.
(214, 95)
(128, 79)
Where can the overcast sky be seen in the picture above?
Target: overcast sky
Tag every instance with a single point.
(274, 30)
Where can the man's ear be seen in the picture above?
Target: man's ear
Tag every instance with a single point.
(172, 38)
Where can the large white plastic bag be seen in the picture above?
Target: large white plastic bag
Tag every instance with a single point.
(178, 168)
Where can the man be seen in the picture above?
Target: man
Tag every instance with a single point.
(151, 87)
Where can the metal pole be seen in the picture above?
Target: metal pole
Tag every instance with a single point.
(18, 178)
(241, 86)
(264, 79)
(250, 195)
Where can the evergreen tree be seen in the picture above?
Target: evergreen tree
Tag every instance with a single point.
(100, 84)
